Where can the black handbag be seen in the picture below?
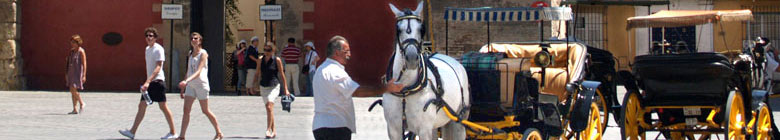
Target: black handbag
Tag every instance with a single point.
(305, 68)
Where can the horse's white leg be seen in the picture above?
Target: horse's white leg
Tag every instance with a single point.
(453, 131)
(426, 132)
(392, 110)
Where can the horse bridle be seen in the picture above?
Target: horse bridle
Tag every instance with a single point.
(421, 81)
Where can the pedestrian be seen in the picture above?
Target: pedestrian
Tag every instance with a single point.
(197, 85)
(238, 69)
(76, 72)
(155, 85)
(270, 73)
(291, 55)
(250, 62)
(310, 65)
(334, 113)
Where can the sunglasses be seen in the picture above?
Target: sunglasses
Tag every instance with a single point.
(151, 36)
(267, 50)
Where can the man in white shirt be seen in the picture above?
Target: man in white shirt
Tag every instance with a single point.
(154, 85)
(334, 112)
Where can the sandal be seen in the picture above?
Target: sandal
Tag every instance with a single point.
(218, 136)
(269, 135)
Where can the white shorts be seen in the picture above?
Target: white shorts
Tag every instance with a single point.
(250, 78)
(269, 93)
(197, 90)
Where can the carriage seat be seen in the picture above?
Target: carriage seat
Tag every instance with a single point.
(568, 65)
(684, 79)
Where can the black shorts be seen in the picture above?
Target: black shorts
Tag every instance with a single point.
(156, 91)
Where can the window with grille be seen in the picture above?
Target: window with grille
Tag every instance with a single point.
(590, 25)
(766, 23)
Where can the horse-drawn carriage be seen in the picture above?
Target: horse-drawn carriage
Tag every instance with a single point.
(530, 90)
(689, 95)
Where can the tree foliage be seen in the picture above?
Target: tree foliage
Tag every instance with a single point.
(231, 17)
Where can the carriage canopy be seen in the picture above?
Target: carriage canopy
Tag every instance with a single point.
(677, 18)
(488, 14)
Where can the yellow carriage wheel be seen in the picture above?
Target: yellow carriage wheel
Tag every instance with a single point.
(763, 127)
(735, 111)
(594, 129)
(632, 111)
(604, 114)
(532, 134)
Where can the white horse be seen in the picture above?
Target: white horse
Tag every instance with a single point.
(407, 66)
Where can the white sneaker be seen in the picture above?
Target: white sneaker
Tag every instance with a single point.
(127, 134)
(169, 136)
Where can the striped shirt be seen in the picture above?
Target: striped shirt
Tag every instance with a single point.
(291, 53)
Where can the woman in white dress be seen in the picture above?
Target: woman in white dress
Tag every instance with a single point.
(197, 85)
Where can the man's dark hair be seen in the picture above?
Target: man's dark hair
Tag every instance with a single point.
(150, 30)
(291, 40)
(335, 44)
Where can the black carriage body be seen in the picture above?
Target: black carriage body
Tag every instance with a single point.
(527, 105)
(696, 79)
(675, 81)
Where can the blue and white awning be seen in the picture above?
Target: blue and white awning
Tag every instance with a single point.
(508, 14)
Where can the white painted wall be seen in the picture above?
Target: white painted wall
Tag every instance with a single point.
(704, 34)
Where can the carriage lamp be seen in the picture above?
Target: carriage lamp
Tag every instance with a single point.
(543, 59)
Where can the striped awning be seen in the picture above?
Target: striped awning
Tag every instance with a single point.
(508, 14)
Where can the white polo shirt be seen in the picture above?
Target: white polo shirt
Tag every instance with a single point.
(333, 105)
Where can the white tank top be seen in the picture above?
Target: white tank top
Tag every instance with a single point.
(194, 61)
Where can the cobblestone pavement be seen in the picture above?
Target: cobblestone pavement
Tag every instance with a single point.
(43, 115)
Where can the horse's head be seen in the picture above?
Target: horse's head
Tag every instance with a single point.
(409, 34)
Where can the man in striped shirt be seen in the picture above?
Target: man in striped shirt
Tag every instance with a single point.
(291, 54)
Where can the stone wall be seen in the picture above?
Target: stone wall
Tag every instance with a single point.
(292, 24)
(10, 58)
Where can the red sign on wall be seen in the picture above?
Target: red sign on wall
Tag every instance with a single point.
(538, 4)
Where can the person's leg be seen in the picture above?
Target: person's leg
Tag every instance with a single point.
(73, 94)
(168, 116)
(269, 95)
(295, 72)
(302, 82)
(185, 119)
(250, 80)
(289, 71)
(139, 116)
(269, 108)
(241, 79)
(78, 98)
(204, 107)
(309, 84)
